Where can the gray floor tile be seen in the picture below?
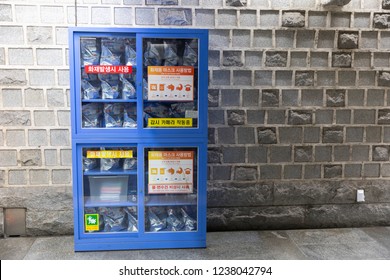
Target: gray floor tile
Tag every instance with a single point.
(51, 248)
(15, 248)
(380, 234)
(350, 251)
(328, 236)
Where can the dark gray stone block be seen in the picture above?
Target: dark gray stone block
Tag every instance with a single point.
(353, 170)
(213, 97)
(292, 171)
(342, 153)
(360, 153)
(343, 116)
(162, 2)
(311, 135)
(371, 170)
(214, 155)
(250, 97)
(348, 40)
(333, 135)
(280, 154)
(335, 98)
(386, 4)
(343, 60)
(290, 135)
(232, 58)
(384, 79)
(246, 135)
(255, 116)
(380, 153)
(333, 171)
(263, 78)
(222, 172)
(216, 117)
(312, 97)
(221, 77)
(245, 173)
(354, 134)
(226, 135)
(276, 117)
(290, 97)
(300, 117)
(276, 59)
(303, 78)
(257, 154)
(267, 135)
(233, 154)
(293, 19)
(211, 135)
(230, 97)
(214, 58)
(312, 171)
(384, 116)
(364, 116)
(374, 135)
(381, 21)
(236, 117)
(270, 98)
(303, 154)
(242, 77)
(270, 172)
(324, 117)
(236, 3)
(323, 153)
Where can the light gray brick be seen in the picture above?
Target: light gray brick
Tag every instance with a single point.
(83, 15)
(112, 2)
(102, 15)
(312, 97)
(340, 19)
(12, 77)
(381, 59)
(63, 77)
(2, 56)
(11, 35)
(39, 35)
(61, 35)
(63, 118)
(15, 138)
(280, 3)
(242, 77)
(34, 98)
(20, 56)
(37, 137)
(50, 157)
(205, 17)
(15, 118)
(66, 157)
(360, 153)
(259, 3)
(133, 2)
(144, 16)
(355, 97)
(5, 12)
(326, 39)
(276, 59)
(41, 77)
(241, 38)
(343, 60)
(59, 137)
(369, 40)
(27, 13)
(347, 78)
(263, 78)
(12, 98)
(55, 98)
(227, 18)
(8, 158)
(52, 14)
(305, 38)
(319, 59)
(290, 97)
(212, 3)
(30, 158)
(190, 2)
(293, 19)
(362, 59)
(284, 38)
(248, 18)
(49, 57)
(298, 59)
(1, 138)
(253, 58)
(362, 20)
(17, 177)
(61, 176)
(39, 176)
(318, 19)
(367, 78)
(44, 118)
(269, 18)
(283, 78)
(262, 38)
(304, 78)
(373, 4)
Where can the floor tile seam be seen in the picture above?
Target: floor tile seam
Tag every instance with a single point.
(297, 246)
(29, 249)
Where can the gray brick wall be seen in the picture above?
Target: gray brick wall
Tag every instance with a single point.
(298, 98)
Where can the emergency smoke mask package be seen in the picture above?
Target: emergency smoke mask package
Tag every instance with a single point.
(113, 115)
(89, 163)
(170, 55)
(190, 57)
(130, 164)
(110, 86)
(90, 54)
(92, 115)
(128, 89)
(130, 116)
(130, 54)
(152, 56)
(114, 219)
(90, 85)
(112, 51)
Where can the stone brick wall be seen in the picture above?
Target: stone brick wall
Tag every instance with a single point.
(298, 117)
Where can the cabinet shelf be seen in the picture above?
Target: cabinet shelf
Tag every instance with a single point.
(98, 172)
(171, 200)
(109, 100)
(88, 203)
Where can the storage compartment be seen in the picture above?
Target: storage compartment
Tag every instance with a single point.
(108, 188)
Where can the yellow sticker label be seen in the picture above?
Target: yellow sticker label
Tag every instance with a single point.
(110, 154)
(166, 122)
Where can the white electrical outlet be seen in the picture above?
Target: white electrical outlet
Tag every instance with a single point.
(360, 196)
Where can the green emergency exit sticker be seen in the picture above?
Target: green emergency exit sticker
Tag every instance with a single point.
(91, 222)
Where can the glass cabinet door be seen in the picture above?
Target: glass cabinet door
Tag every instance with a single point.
(171, 200)
(110, 189)
(170, 83)
(108, 82)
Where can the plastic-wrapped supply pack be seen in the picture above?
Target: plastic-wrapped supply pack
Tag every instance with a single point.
(113, 115)
(156, 110)
(130, 54)
(114, 219)
(128, 89)
(112, 51)
(170, 55)
(130, 116)
(145, 89)
(110, 86)
(90, 85)
(109, 164)
(92, 115)
(130, 163)
(89, 163)
(132, 223)
(155, 223)
(173, 222)
(152, 56)
(90, 53)
(178, 110)
(189, 223)
(190, 57)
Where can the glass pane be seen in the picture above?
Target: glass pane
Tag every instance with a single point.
(170, 82)
(108, 82)
(171, 189)
(110, 189)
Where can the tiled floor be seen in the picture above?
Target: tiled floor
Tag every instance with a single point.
(309, 244)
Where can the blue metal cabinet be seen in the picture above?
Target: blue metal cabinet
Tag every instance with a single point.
(139, 137)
